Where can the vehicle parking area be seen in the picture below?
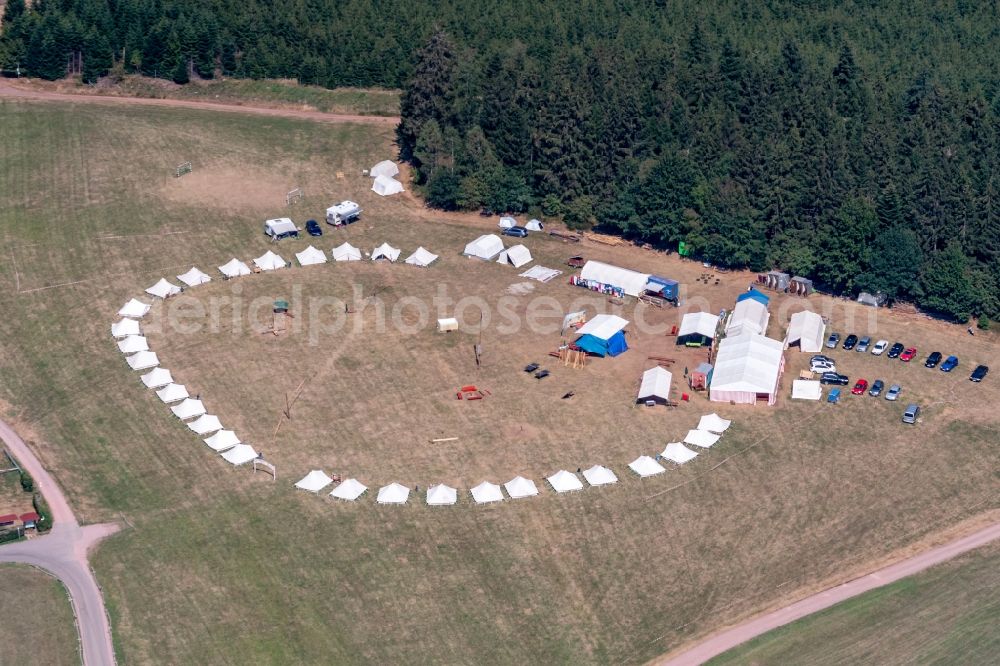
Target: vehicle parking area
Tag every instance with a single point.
(935, 391)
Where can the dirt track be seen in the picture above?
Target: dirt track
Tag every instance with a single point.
(9, 90)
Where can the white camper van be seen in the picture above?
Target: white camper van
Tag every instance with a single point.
(343, 213)
(279, 228)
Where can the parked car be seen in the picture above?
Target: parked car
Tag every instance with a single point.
(313, 228)
(911, 413)
(932, 360)
(820, 358)
(519, 232)
(949, 364)
(895, 350)
(834, 395)
(879, 347)
(876, 389)
(893, 392)
(860, 387)
(834, 378)
(979, 373)
(908, 354)
(822, 366)
(832, 341)
(863, 344)
(850, 341)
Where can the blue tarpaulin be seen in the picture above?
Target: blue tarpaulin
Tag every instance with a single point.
(611, 347)
(758, 296)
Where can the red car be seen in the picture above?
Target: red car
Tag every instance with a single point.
(860, 387)
(908, 354)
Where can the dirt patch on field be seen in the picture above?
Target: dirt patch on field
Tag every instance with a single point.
(228, 188)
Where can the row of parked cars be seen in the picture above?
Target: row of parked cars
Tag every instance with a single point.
(903, 353)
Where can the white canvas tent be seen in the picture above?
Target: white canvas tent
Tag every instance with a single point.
(506, 222)
(701, 438)
(188, 409)
(314, 481)
(485, 247)
(172, 393)
(807, 330)
(806, 389)
(747, 369)
(714, 423)
(162, 289)
(534, 225)
(133, 344)
(421, 257)
(629, 281)
(349, 490)
(385, 186)
(678, 453)
(144, 360)
(386, 168)
(346, 252)
(749, 316)
(519, 487)
(385, 251)
(655, 385)
(564, 482)
(540, 273)
(486, 492)
(125, 328)
(269, 261)
(441, 495)
(599, 475)
(645, 466)
(135, 309)
(394, 493)
(698, 325)
(156, 378)
(222, 440)
(234, 268)
(516, 256)
(240, 454)
(310, 256)
(194, 277)
(603, 326)
(205, 424)
(447, 324)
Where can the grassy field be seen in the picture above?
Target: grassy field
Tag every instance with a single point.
(37, 619)
(269, 92)
(225, 567)
(947, 615)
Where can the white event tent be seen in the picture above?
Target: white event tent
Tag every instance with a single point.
(394, 493)
(350, 490)
(194, 277)
(188, 409)
(519, 487)
(714, 423)
(485, 247)
(421, 257)
(133, 344)
(222, 440)
(172, 393)
(441, 495)
(314, 481)
(629, 281)
(269, 261)
(239, 454)
(697, 326)
(144, 360)
(310, 256)
(645, 466)
(386, 168)
(486, 492)
(385, 251)
(125, 328)
(599, 475)
(563, 481)
(516, 256)
(346, 252)
(205, 424)
(702, 438)
(747, 369)
(156, 378)
(534, 225)
(234, 268)
(655, 385)
(806, 389)
(678, 453)
(135, 309)
(385, 186)
(162, 289)
(807, 330)
(749, 315)
(506, 222)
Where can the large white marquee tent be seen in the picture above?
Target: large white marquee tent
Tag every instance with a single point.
(747, 369)
(485, 247)
(655, 385)
(699, 326)
(807, 330)
(629, 281)
(749, 316)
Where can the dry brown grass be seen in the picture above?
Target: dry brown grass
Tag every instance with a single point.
(36, 617)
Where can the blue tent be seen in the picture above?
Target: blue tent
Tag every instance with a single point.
(758, 296)
(611, 347)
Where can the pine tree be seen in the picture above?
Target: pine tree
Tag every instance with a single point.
(429, 94)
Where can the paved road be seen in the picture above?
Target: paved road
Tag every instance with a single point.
(63, 553)
(9, 89)
(730, 638)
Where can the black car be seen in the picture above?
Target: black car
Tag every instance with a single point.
(834, 378)
(932, 360)
(979, 373)
(313, 229)
(895, 350)
(520, 232)
(876, 389)
(850, 341)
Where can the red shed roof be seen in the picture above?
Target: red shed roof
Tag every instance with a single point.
(9, 518)
(31, 516)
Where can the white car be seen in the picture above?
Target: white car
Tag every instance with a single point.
(822, 366)
(879, 348)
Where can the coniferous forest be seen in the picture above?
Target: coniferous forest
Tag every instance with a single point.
(856, 143)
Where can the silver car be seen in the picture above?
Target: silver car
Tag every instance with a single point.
(863, 344)
(893, 392)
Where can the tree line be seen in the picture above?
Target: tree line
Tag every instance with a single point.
(853, 142)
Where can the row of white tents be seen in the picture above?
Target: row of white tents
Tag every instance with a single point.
(490, 246)
(709, 431)
(311, 256)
